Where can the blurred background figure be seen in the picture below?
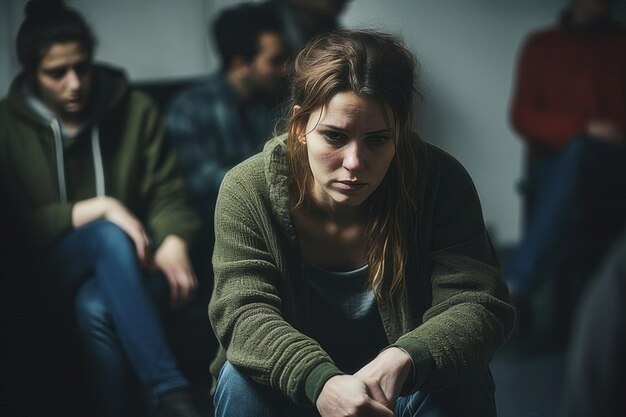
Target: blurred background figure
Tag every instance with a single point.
(569, 107)
(227, 116)
(596, 366)
(93, 189)
(304, 19)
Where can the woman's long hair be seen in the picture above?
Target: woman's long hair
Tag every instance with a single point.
(377, 66)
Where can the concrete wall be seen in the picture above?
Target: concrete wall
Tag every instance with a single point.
(467, 50)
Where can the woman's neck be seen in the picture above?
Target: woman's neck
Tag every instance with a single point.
(331, 212)
(333, 240)
(324, 208)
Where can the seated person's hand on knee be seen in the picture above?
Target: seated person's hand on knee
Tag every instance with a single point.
(605, 130)
(111, 209)
(172, 259)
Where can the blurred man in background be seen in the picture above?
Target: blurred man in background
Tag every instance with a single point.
(228, 116)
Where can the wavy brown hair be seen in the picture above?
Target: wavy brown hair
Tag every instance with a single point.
(378, 66)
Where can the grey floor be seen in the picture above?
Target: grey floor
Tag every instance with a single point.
(528, 383)
(528, 369)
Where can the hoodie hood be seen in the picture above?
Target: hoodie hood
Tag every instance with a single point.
(109, 89)
(110, 86)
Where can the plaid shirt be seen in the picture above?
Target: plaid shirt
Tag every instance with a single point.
(212, 132)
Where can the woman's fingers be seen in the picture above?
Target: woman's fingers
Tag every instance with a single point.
(172, 259)
(138, 235)
(345, 395)
(120, 215)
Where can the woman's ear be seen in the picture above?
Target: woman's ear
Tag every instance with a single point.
(300, 126)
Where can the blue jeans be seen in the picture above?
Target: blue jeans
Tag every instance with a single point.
(559, 185)
(238, 396)
(117, 320)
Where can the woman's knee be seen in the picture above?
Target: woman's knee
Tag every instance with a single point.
(231, 384)
(108, 236)
(472, 396)
(238, 395)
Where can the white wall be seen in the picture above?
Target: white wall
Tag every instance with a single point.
(151, 38)
(10, 18)
(467, 49)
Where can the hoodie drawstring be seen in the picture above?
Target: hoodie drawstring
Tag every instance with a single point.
(97, 160)
(58, 146)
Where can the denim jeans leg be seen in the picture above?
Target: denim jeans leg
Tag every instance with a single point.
(237, 395)
(473, 396)
(558, 184)
(114, 388)
(102, 250)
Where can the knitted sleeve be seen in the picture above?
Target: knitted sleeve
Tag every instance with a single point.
(246, 308)
(470, 315)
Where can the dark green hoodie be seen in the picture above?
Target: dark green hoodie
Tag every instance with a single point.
(121, 152)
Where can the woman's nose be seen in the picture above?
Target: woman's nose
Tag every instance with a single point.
(353, 159)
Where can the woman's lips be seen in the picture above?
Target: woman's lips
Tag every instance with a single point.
(349, 185)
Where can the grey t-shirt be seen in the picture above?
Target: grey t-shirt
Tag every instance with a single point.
(343, 317)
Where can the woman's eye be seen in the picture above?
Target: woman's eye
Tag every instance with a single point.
(377, 140)
(334, 137)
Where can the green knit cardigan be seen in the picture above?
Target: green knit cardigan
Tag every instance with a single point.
(455, 314)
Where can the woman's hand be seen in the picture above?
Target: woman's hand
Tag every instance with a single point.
(113, 210)
(346, 395)
(385, 375)
(173, 260)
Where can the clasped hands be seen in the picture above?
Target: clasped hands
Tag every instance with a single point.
(371, 392)
(171, 258)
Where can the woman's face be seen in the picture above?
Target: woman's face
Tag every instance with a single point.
(64, 79)
(349, 146)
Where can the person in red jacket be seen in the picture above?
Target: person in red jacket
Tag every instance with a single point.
(571, 80)
(569, 107)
